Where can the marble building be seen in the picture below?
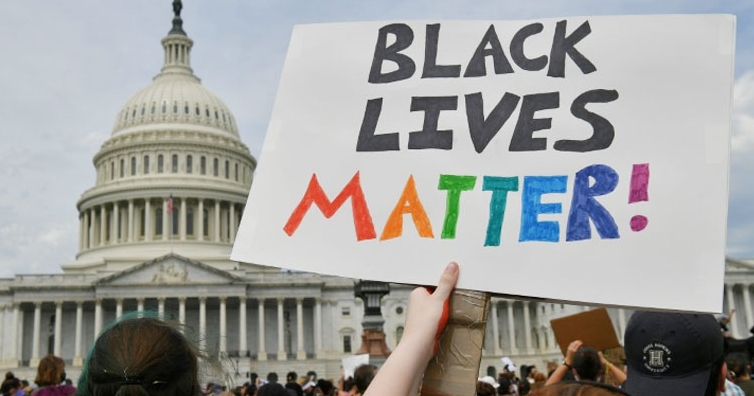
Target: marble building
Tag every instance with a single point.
(156, 232)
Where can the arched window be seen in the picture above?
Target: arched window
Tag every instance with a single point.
(174, 163)
(203, 165)
(160, 163)
(189, 164)
(216, 166)
(164, 107)
(158, 221)
(122, 167)
(133, 166)
(112, 170)
(146, 164)
(227, 169)
(236, 171)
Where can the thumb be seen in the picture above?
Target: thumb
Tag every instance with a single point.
(447, 282)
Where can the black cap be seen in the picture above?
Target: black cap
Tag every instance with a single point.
(671, 353)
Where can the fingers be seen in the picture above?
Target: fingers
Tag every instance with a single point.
(447, 282)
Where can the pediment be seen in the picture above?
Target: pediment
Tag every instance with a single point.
(739, 266)
(171, 269)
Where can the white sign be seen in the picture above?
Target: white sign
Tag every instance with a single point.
(582, 159)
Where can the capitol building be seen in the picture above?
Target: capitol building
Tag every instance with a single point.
(156, 232)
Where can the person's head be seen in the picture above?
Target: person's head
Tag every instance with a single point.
(272, 377)
(579, 389)
(587, 364)
(363, 376)
(674, 354)
(738, 365)
(141, 356)
(291, 377)
(325, 386)
(312, 375)
(272, 389)
(51, 371)
(485, 389)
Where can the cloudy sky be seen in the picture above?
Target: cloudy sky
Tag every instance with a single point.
(66, 68)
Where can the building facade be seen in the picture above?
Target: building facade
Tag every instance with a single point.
(156, 232)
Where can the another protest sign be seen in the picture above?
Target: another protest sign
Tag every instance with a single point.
(593, 327)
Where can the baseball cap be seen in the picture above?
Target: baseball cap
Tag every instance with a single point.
(671, 353)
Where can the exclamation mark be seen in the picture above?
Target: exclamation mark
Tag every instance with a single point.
(638, 193)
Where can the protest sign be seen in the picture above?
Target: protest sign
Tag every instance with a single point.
(582, 159)
(593, 327)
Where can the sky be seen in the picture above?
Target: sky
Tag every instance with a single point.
(66, 68)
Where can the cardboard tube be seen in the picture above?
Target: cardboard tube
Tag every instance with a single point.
(454, 369)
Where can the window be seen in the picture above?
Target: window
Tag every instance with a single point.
(227, 169)
(122, 167)
(174, 163)
(160, 163)
(133, 166)
(345, 312)
(236, 172)
(146, 164)
(186, 109)
(158, 222)
(142, 222)
(153, 107)
(347, 344)
(143, 109)
(203, 165)
(216, 165)
(189, 164)
(112, 170)
(189, 221)
(205, 222)
(197, 110)
(164, 107)
(175, 108)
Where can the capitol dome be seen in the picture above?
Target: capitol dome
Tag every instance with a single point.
(173, 177)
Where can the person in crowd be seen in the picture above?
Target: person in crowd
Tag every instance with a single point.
(272, 378)
(12, 387)
(581, 388)
(484, 388)
(141, 356)
(586, 364)
(290, 383)
(272, 389)
(674, 354)
(539, 381)
(739, 370)
(362, 378)
(50, 378)
(426, 318)
(324, 388)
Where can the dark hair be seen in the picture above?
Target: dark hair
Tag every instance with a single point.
(737, 363)
(50, 371)
(587, 364)
(325, 385)
(272, 377)
(141, 356)
(484, 389)
(292, 376)
(714, 377)
(363, 376)
(585, 388)
(272, 389)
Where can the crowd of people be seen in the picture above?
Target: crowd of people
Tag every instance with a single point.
(665, 354)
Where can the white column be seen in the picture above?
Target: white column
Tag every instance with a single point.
(35, 333)
(621, 323)
(511, 329)
(300, 352)
(161, 307)
(148, 227)
(217, 221)
(97, 317)
(223, 328)
(182, 310)
(118, 307)
(495, 330)
(553, 345)
(182, 220)
(165, 220)
(527, 328)
(281, 332)
(202, 323)
(116, 224)
(261, 354)
(731, 306)
(58, 327)
(318, 328)
(102, 227)
(747, 306)
(242, 326)
(130, 220)
(232, 222)
(140, 305)
(541, 346)
(78, 361)
(200, 226)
